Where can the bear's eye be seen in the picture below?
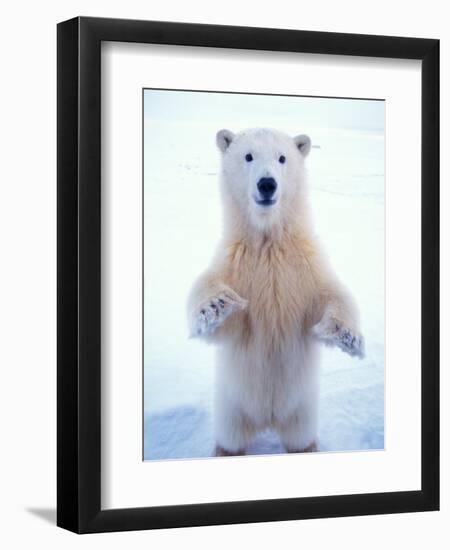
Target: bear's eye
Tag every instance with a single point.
(282, 159)
(248, 157)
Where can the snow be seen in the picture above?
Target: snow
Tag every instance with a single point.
(182, 224)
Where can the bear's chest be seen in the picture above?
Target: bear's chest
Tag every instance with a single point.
(277, 282)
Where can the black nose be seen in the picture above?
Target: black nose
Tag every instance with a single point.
(267, 187)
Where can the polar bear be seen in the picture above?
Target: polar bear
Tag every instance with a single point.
(269, 297)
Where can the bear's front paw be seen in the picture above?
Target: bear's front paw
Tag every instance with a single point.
(333, 332)
(214, 311)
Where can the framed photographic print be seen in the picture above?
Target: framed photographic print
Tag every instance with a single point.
(248, 274)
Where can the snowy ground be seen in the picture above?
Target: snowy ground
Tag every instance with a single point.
(181, 228)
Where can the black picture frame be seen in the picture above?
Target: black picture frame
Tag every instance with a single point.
(79, 280)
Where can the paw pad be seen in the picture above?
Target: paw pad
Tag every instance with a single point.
(214, 313)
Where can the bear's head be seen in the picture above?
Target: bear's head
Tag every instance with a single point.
(263, 175)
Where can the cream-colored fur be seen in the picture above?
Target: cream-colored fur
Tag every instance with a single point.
(269, 297)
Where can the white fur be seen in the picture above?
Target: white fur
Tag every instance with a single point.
(269, 297)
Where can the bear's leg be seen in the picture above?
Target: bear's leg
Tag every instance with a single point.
(220, 451)
(312, 448)
(298, 432)
(233, 429)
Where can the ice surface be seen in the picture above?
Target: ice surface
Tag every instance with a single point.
(182, 226)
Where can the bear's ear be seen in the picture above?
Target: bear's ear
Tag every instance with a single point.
(303, 144)
(223, 139)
